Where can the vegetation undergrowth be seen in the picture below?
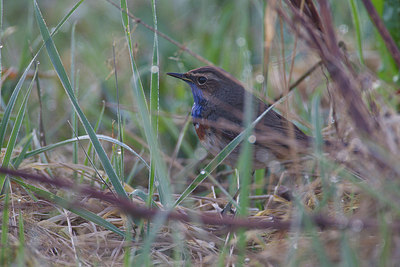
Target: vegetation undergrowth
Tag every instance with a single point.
(101, 164)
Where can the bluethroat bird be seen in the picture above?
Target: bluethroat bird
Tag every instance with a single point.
(219, 102)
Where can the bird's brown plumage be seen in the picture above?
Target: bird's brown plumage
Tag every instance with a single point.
(221, 118)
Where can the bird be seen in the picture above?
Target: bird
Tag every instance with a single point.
(217, 113)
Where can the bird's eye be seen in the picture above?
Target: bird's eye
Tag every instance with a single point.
(201, 80)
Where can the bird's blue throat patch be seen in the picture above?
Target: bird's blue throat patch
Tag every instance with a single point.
(199, 100)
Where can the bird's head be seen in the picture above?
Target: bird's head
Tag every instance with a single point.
(211, 86)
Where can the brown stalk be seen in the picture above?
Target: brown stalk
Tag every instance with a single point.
(383, 31)
(227, 222)
(326, 45)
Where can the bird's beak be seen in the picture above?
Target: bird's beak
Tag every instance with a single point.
(181, 76)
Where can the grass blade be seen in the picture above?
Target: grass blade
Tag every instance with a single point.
(4, 250)
(11, 103)
(74, 121)
(356, 20)
(96, 128)
(154, 94)
(17, 126)
(58, 66)
(21, 240)
(140, 98)
(120, 154)
(26, 144)
(14, 134)
(80, 138)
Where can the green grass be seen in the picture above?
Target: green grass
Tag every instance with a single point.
(105, 72)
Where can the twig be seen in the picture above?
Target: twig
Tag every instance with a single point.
(228, 222)
(166, 37)
(301, 78)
